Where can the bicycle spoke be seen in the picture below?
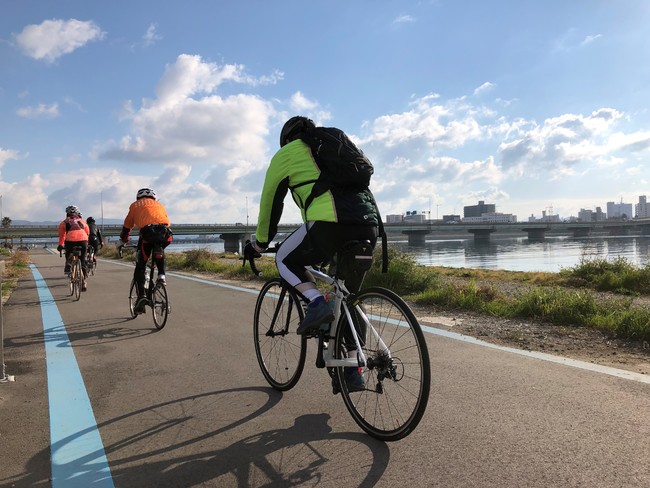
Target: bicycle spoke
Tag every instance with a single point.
(280, 351)
(397, 374)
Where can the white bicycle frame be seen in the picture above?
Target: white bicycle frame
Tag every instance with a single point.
(340, 292)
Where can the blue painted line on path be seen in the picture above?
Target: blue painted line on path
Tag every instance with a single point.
(77, 453)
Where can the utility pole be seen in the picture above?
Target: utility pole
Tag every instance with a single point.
(246, 211)
(101, 199)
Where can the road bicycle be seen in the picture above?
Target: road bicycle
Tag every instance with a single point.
(76, 274)
(374, 326)
(91, 262)
(155, 293)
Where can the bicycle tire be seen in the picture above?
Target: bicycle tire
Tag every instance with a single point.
(77, 272)
(71, 281)
(160, 305)
(280, 351)
(396, 386)
(92, 265)
(133, 297)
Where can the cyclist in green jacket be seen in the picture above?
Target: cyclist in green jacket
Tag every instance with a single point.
(330, 220)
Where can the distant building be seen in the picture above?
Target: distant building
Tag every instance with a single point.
(491, 217)
(642, 209)
(478, 210)
(446, 219)
(545, 217)
(588, 215)
(619, 210)
(394, 218)
(414, 217)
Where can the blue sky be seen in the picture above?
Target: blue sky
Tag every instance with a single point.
(528, 105)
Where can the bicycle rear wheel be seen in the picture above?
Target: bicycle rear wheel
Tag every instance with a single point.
(92, 264)
(78, 275)
(280, 351)
(133, 297)
(397, 377)
(160, 305)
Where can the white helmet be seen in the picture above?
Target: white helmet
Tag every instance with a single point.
(72, 210)
(146, 193)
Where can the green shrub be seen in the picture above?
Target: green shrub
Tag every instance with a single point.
(618, 276)
(404, 275)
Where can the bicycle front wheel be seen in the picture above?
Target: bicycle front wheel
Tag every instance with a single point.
(133, 297)
(160, 305)
(397, 375)
(280, 351)
(78, 275)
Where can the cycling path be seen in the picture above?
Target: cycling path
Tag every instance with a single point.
(103, 400)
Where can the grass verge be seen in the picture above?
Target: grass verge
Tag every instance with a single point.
(16, 265)
(562, 298)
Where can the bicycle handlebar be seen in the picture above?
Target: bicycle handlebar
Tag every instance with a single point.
(250, 255)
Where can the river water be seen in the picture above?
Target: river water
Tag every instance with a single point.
(514, 254)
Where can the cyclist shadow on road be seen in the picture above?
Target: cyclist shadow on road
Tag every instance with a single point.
(300, 454)
(189, 441)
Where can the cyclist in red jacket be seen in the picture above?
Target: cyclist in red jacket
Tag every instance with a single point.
(73, 231)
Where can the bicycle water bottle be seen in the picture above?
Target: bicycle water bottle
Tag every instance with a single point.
(146, 280)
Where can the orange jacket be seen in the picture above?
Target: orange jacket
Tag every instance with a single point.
(73, 229)
(143, 212)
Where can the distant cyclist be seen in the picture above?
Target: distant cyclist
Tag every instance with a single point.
(150, 216)
(73, 232)
(94, 236)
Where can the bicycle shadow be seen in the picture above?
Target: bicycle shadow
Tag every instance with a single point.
(81, 334)
(172, 444)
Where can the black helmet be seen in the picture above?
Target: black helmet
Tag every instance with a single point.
(293, 127)
(90, 220)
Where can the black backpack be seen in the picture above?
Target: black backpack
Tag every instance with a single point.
(342, 165)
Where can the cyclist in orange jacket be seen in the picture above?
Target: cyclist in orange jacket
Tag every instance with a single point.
(150, 216)
(73, 231)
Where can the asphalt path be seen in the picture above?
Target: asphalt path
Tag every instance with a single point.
(188, 406)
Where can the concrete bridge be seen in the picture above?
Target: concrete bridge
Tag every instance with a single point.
(234, 234)
(534, 230)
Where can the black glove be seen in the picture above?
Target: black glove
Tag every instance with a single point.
(249, 251)
(59, 248)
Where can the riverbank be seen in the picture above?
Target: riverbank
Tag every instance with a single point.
(464, 307)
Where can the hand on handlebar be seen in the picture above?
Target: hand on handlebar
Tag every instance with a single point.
(250, 250)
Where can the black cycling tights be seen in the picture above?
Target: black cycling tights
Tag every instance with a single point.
(315, 242)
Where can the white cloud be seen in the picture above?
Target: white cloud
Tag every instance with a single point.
(6, 155)
(41, 111)
(188, 122)
(51, 39)
(151, 36)
(404, 19)
(590, 39)
(434, 124)
(560, 142)
(487, 86)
